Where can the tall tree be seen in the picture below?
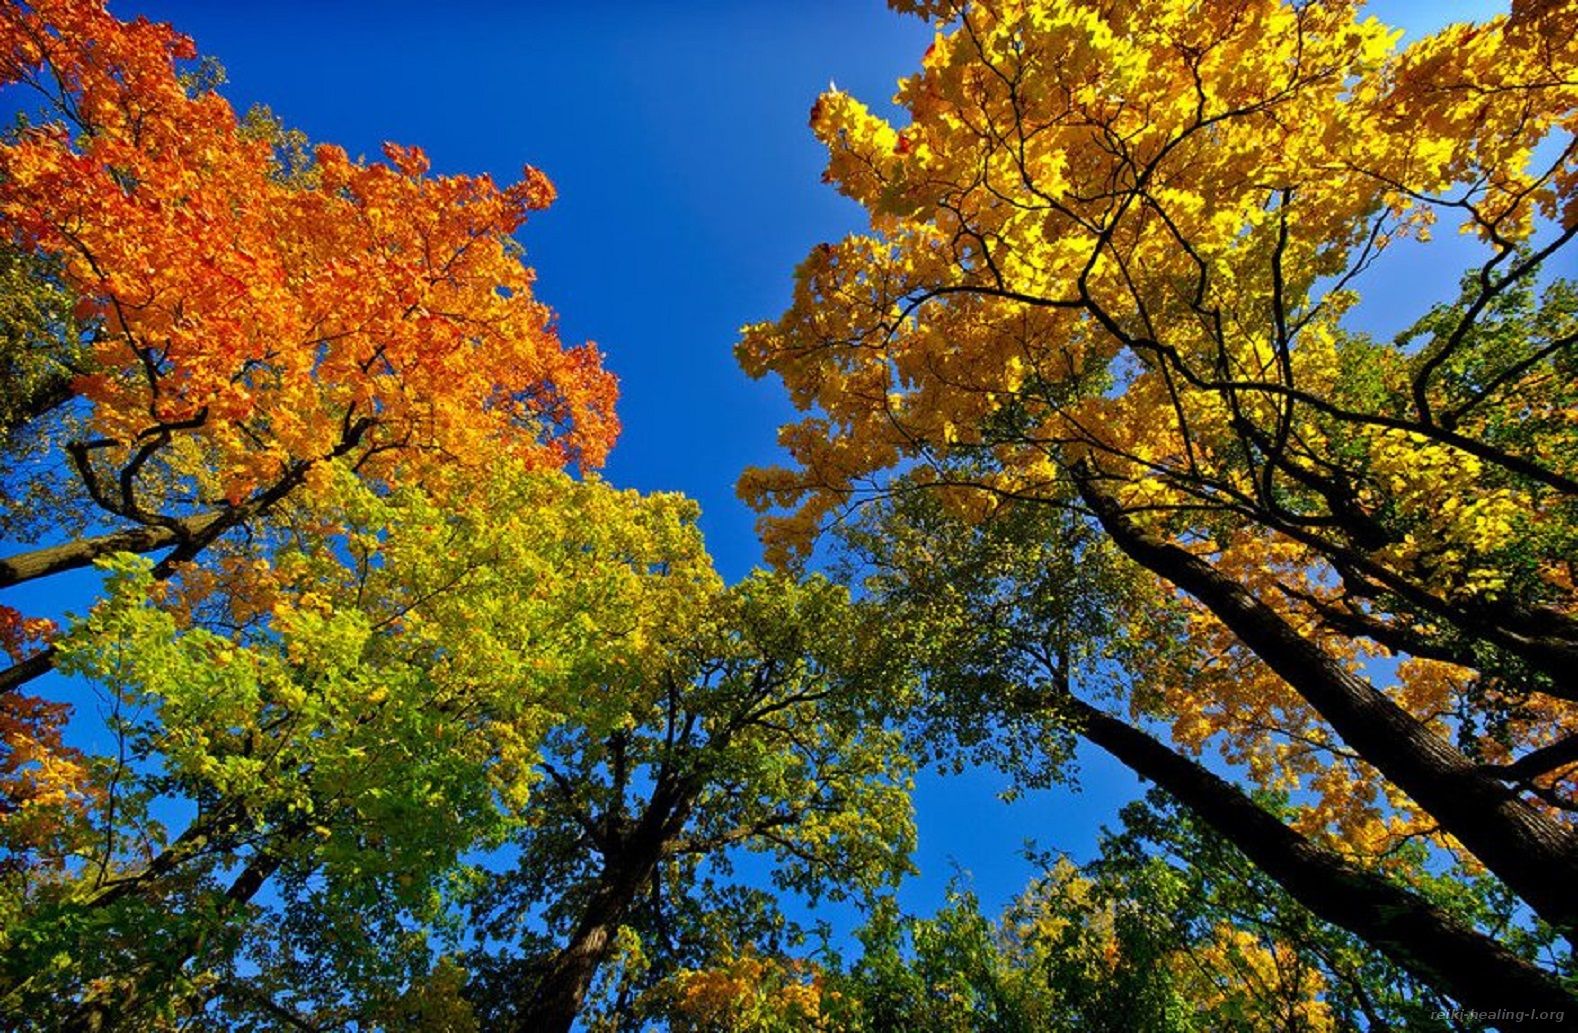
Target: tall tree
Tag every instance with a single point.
(214, 312)
(1168, 930)
(370, 710)
(1032, 625)
(204, 319)
(1109, 262)
(764, 731)
(427, 718)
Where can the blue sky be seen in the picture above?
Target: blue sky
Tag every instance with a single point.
(689, 189)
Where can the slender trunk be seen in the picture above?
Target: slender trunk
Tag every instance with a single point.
(24, 671)
(187, 536)
(121, 1011)
(215, 831)
(1532, 853)
(1474, 969)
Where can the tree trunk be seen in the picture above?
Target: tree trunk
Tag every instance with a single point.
(189, 536)
(1532, 853)
(629, 865)
(52, 559)
(558, 996)
(1474, 969)
(24, 671)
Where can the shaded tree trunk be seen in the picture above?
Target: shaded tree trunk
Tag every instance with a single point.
(559, 995)
(189, 536)
(1463, 963)
(1528, 850)
(53, 559)
(630, 862)
(24, 671)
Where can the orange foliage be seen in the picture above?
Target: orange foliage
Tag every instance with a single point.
(269, 313)
(21, 636)
(749, 992)
(39, 774)
(41, 778)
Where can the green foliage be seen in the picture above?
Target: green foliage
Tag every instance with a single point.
(768, 732)
(411, 695)
(43, 345)
(1002, 618)
(1169, 930)
(372, 713)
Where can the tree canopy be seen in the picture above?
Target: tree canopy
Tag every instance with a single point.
(1168, 929)
(1111, 263)
(408, 719)
(216, 310)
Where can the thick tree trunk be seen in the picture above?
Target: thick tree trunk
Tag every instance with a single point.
(560, 993)
(1461, 962)
(1535, 855)
(52, 559)
(630, 862)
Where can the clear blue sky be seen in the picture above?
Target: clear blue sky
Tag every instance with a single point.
(689, 189)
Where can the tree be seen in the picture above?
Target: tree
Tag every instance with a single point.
(1108, 267)
(206, 322)
(1032, 623)
(416, 696)
(382, 630)
(212, 313)
(373, 710)
(1168, 930)
(1076, 953)
(1213, 896)
(765, 730)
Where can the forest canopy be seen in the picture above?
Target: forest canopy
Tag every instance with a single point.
(410, 718)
